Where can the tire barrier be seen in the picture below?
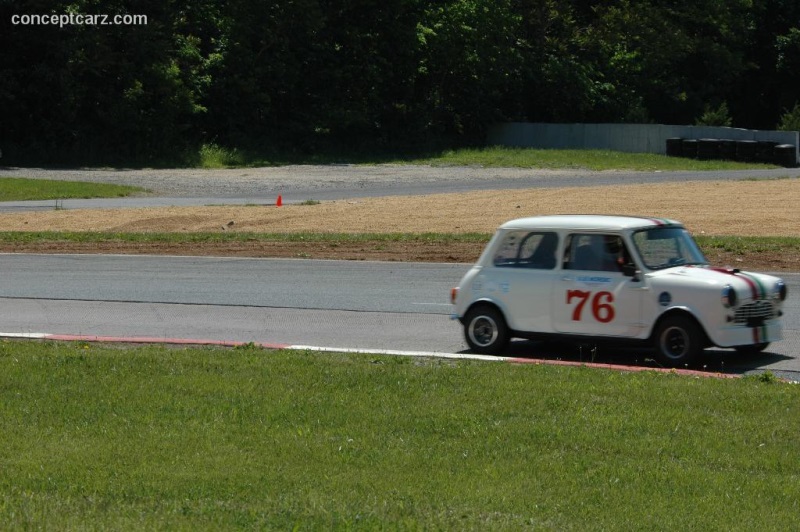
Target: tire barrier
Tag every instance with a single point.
(689, 147)
(785, 155)
(675, 147)
(727, 149)
(746, 150)
(749, 151)
(764, 151)
(708, 149)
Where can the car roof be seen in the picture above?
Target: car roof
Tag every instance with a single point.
(588, 222)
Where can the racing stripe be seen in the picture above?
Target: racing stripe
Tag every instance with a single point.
(746, 278)
(762, 291)
(760, 334)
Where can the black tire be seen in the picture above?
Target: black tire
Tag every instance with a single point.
(678, 341)
(753, 349)
(485, 330)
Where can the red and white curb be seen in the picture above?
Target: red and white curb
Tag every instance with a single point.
(390, 352)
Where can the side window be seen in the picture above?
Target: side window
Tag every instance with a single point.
(606, 253)
(506, 254)
(533, 250)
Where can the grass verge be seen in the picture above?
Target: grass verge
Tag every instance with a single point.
(597, 160)
(22, 189)
(754, 253)
(213, 156)
(22, 237)
(152, 438)
(733, 244)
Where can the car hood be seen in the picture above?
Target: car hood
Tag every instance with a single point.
(747, 284)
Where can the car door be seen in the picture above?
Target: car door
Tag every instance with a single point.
(591, 295)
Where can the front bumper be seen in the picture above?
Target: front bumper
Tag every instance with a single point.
(735, 335)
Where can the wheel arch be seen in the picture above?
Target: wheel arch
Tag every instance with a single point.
(485, 303)
(684, 312)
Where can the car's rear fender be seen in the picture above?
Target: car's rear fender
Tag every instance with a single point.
(485, 302)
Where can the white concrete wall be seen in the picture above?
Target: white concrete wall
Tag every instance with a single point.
(637, 138)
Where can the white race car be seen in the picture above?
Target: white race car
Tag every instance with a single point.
(613, 277)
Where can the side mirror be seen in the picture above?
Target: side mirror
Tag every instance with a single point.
(629, 270)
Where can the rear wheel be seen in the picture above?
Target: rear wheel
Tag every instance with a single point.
(485, 330)
(679, 341)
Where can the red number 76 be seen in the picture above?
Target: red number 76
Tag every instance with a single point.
(602, 310)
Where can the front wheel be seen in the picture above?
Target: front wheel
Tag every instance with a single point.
(485, 330)
(678, 341)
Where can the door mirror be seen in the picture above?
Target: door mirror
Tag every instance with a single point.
(629, 270)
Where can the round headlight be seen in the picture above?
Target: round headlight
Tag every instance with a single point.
(728, 296)
(780, 290)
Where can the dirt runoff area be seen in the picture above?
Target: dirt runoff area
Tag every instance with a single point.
(740, 208)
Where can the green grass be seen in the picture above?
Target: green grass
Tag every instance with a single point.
(735, 244)
(213, 156)
(155, 438)
(22, 189)
(750, 244)
(576, 159)
(20, 237)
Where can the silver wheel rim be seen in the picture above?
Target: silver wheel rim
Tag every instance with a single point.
(675, 342)
(483, 331)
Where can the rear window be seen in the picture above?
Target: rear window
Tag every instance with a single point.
(524, 249)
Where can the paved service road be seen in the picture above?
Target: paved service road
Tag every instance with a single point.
(191, 187)
(365, 305)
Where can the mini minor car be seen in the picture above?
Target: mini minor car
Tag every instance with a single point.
(593, 277)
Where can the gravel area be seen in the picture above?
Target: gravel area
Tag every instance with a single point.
(330, 181)
(243, 182)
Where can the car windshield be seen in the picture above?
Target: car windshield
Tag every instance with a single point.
(665, 247)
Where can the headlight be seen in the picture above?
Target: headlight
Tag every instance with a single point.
(780, 290)
(728, 296)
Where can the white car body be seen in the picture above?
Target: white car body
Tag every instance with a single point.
(615, 277)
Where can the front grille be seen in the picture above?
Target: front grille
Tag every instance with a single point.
(753, 314)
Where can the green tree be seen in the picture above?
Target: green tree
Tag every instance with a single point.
(768, 84)
(790, 120)
(559, 84)
(666, 59)
(715, 116)
(101, 93)
(469, 63)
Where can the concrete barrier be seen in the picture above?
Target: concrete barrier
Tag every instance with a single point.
(636, 138)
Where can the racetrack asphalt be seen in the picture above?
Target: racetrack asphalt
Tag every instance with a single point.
(193, 187)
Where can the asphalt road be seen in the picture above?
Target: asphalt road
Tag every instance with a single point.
(356, 305)
(364, 305)
(191, 187)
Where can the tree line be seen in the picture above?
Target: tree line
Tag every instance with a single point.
(306, 76)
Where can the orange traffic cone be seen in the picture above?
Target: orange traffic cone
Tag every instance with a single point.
(279, 202)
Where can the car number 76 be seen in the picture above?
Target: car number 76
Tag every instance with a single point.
(602, 310)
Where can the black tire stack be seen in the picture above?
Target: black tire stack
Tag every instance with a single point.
(750, 151)
(708, 149)
(689, 148)
(675, 147)
(785, 155)
(746, 150)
